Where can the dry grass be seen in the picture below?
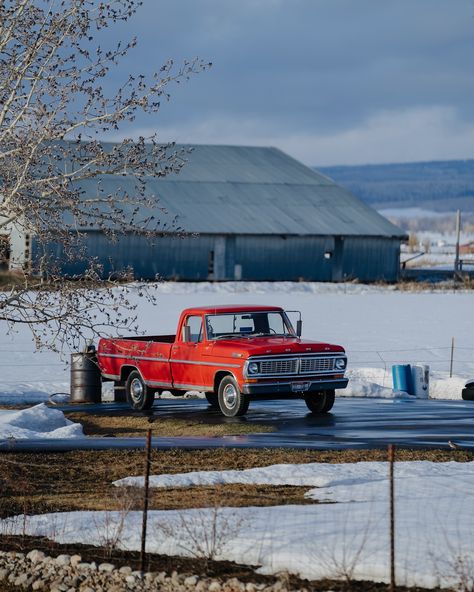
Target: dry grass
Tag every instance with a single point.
(138, 425)
(9, 280)
(463, 282)
(39, 482)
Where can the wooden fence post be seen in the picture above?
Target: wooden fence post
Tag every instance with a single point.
(145, 499)
(391, 460)
(452, 359)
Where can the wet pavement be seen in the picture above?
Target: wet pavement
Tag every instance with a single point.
(352, 423)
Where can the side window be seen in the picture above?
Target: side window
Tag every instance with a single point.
(195, 326)
(275, 323)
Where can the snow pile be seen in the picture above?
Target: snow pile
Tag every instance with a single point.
(359, 476)
(252, 288)
(350, 538)
(442, 386)
(378, 383)
(370, 382)
(36, 422)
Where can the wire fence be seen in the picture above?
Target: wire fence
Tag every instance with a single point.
(440, 358)
(403, 522)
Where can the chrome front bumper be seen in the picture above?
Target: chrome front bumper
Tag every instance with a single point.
(285, 387)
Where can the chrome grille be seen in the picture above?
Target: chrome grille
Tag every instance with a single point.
(316, 365)
(297, 366)
(278, 366)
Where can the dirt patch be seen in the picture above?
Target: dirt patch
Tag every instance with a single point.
(137, 425)
(39, 482)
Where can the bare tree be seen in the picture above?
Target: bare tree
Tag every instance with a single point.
(53, 112)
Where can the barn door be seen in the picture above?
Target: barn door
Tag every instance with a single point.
(337, 259)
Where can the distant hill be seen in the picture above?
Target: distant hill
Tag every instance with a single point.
(442, 186)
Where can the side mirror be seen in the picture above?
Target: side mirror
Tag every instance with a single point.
(187, 333)
(299, 327)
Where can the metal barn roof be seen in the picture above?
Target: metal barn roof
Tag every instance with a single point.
(258, 191)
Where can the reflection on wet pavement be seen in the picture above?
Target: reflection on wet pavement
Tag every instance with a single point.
(353, 423)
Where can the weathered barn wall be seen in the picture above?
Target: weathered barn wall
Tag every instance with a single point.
(215, 257)
(371, 258)
(170, 257)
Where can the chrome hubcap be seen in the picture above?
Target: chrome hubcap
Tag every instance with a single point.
(230, 395)
(136, 390)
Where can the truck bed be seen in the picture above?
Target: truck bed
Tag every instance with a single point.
(154, 338)
(149, 354)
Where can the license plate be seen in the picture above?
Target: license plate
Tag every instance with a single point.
(300, 387)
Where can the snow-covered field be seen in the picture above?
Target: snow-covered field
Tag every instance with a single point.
(379, 327)
(346, 538)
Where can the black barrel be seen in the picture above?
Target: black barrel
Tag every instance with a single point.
(86, 383)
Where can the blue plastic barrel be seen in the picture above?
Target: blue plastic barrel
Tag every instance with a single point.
(402, 381)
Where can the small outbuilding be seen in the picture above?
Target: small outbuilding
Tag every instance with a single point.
(467, 249)
(254, 213)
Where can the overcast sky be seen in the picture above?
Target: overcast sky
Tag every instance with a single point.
(328, 81)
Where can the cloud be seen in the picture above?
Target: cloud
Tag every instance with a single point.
(432, 133)
(329, 81)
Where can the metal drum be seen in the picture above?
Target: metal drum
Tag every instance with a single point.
(86, 383)
(420, 378)
(401, 375)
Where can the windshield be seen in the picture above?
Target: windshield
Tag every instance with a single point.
(248, 324)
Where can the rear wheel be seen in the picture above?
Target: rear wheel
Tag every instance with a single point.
(320, 402)
(139, 396)
(232, 402)
(212, 399)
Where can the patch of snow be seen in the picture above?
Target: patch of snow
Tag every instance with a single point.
(378, 383)
(433, 517)
(344, 479)
(370, 382)
(36, 422)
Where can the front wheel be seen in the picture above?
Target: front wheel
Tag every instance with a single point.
(232, 402)
(139, 396)
(320, 402)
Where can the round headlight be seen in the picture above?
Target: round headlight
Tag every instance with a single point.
(252, 368)
(340, 363)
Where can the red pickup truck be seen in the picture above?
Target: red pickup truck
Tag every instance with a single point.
(231, 353)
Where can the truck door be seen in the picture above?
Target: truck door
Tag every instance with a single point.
(186, 355)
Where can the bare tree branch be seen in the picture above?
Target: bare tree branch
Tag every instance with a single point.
(54, 168)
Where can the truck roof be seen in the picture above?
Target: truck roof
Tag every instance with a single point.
(229, 308)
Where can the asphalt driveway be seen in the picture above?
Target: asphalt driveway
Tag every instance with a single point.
(353, 423)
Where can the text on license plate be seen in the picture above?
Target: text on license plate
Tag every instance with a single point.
(300, 387)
